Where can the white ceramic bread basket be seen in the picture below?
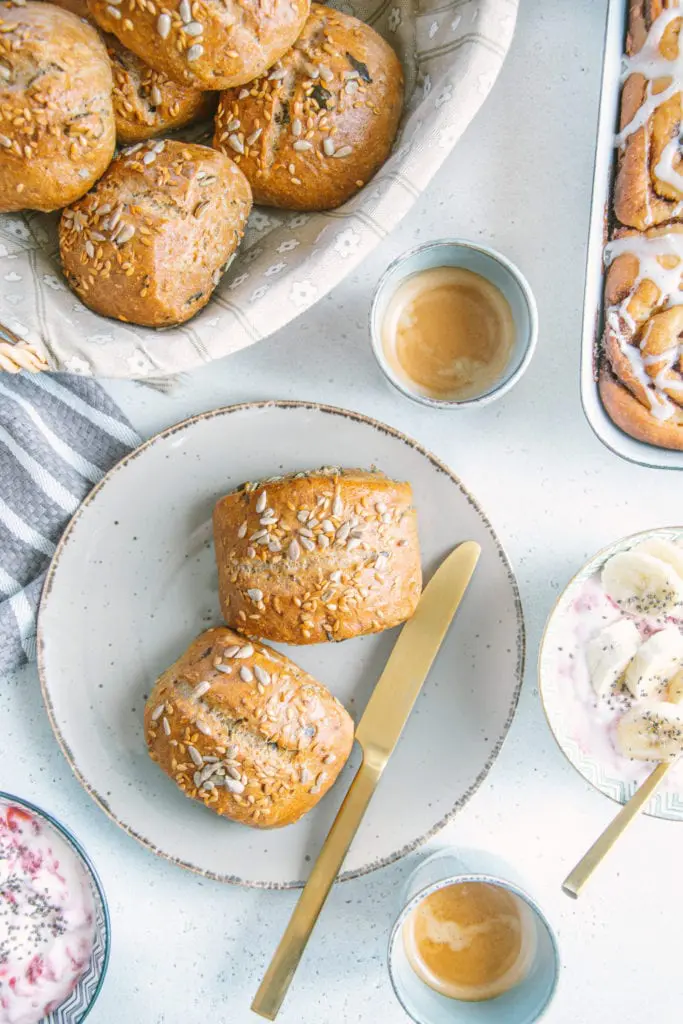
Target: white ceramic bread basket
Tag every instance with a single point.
(451, 54)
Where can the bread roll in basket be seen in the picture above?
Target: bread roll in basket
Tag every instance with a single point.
(451, 55)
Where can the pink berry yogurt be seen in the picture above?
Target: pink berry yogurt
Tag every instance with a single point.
(589, 720)
(47, 917)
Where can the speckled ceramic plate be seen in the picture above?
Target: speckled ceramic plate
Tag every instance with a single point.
(133, 581)
(568, 699)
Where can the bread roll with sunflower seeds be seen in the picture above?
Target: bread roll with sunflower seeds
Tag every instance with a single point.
(57, 132)
(314, 130)
(148, 102)
(210, 44)
(246, 731)
(147, 245)
(323, 555)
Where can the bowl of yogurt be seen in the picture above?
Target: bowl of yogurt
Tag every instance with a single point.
(54, 921)
(611, 668)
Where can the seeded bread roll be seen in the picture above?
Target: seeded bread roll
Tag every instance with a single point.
(317, 556)
(150, 241)
(246, 731)
(322, 122)
(148, 102)
(211, 44)
(57, 132)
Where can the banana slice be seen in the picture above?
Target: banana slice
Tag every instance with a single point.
(642, 584)
(665, 550)
(651, 732)
(608, 654)
(656, 663)
(675, 694)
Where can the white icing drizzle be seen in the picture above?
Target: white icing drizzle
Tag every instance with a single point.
(668, 282)
(650, 63)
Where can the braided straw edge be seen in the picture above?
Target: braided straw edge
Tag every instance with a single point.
(17, 355)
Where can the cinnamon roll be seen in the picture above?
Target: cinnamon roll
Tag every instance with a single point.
(641, 379)
(649, 181)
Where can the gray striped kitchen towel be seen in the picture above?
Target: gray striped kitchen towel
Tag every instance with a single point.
(59, 434)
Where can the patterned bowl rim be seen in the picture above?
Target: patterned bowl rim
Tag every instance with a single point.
(358, 417)
(587, 570)
(91, 871)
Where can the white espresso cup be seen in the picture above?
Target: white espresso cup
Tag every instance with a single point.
(522, 1004)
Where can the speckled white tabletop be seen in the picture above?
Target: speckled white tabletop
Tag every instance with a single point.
(186, 950)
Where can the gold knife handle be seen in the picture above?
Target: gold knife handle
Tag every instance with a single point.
(576, 879)
(278, 977)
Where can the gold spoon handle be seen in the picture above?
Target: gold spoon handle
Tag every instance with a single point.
(278, 977)
(576, 879)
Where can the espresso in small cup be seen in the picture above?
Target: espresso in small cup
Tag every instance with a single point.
(448, 333)
(471, 941)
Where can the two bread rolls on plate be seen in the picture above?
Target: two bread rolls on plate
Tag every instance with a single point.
(316, 556)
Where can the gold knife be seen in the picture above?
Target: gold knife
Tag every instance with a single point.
(378, 733)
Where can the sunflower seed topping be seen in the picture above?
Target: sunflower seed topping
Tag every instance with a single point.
(246, 675)
(113, 13)
(335, 577)
(167, 726)
(234, 786)
(352, 544)
(155, 96)
(233, 125)
(185, 11)
(297, 126)
(157, 713)
(293, 551)
(245, 652)
(261, 502)
(302, 145)
(164, 25)
(200, 690)
(344, 151)
(302, 516)
(306, 543)
(262, 676)
(255, 594)
(195, 52)
(242, 532)
(203, 727)
(234, 773)
(277, 75)
(195, 755)
(343, 532)
(231, 652)
(195, 28)
(243, 93)
(323, 540)
(251, 139)
(224, 668)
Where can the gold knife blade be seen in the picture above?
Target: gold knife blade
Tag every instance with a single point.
(378, 733)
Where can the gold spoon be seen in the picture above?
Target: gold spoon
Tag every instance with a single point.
(576, 879)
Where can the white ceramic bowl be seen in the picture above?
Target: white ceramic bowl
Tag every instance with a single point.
(457, 252)
(591, 753)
